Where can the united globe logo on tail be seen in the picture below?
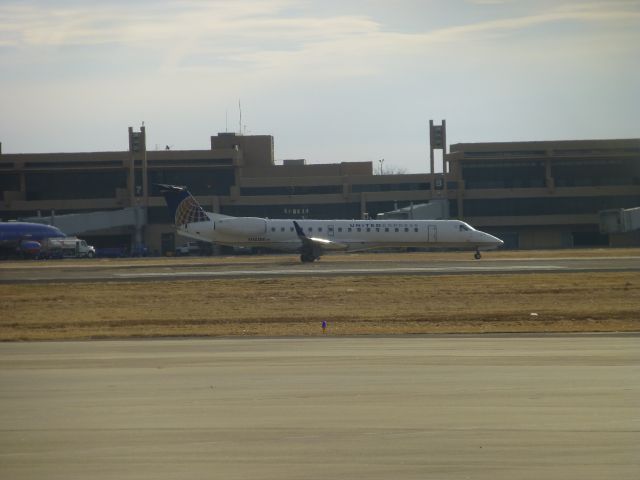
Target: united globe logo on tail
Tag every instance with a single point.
(184, 207)
(189, 211)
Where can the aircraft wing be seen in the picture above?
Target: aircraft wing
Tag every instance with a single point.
(314, 245)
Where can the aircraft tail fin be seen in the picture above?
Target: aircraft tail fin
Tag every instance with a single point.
(182, 206)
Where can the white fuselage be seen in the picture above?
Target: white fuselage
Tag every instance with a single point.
(345, 235)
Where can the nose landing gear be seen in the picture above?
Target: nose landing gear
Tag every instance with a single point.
(477, 255)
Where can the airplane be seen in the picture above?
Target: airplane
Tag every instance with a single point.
(23, 239)
(312, 238)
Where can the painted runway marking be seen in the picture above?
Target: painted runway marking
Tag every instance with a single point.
(341, 271)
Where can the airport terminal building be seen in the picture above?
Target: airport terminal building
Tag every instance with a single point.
(546, 194)
(531, 194)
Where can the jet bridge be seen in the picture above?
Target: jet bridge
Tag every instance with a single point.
(620, 220)
(434, 210)
(82, 223)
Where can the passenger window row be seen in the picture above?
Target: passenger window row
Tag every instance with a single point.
(349, 229)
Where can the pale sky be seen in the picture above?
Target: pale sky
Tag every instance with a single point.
(331, 80)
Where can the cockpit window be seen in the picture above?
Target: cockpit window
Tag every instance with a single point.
(463, 228)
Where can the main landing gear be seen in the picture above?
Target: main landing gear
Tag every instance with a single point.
(477, 255)
(307, 258)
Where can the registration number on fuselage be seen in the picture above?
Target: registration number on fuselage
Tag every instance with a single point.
(257, 239)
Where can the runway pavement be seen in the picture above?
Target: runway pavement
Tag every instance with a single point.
(446, 407)
(287, 266)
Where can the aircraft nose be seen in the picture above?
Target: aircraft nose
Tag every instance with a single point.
(491, 241)
(496, 241)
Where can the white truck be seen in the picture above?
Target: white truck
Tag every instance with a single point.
(66, 247)
(189, 248)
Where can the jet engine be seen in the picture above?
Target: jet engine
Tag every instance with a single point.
(29, 247)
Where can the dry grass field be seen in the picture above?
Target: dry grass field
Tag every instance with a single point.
(569, 302)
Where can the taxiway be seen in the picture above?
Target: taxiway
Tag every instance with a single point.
(448, 407)
(287, 266)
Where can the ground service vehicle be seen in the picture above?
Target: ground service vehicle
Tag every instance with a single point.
(66, 247)
(189, 248)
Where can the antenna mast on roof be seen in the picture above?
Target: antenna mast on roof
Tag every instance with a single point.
(240, 122)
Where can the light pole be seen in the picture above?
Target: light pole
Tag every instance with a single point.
(381, 161)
